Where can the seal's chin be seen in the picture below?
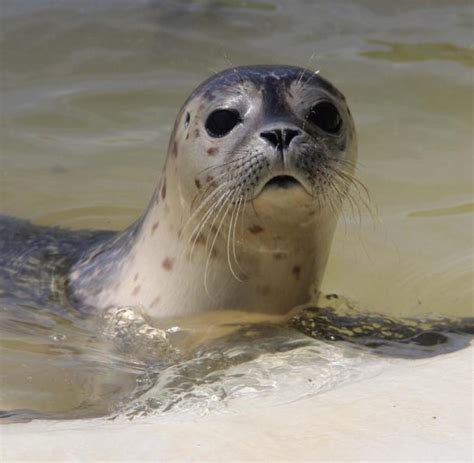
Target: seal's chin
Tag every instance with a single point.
(283, 181)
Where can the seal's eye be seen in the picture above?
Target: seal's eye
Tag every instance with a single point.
(326, 116)
(221, 121)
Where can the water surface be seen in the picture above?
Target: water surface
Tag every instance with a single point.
(89, 95)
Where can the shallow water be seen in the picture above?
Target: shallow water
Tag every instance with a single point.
(89, 95)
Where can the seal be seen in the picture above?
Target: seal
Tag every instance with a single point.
(259, 163)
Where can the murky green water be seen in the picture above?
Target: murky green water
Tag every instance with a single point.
(89, 95)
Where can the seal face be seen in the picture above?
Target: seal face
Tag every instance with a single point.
(259, 162)
(269, 126)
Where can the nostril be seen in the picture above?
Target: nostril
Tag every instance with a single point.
(280, 138)
(288, 135)
(272, 136)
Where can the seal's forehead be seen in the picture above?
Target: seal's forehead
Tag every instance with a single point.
(262, 77)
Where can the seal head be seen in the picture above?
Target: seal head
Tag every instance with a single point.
(259, 163)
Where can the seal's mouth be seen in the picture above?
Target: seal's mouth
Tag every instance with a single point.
(282, 181)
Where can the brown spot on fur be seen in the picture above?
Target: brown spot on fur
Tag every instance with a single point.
(155, 301)
(154, 227)
(135, 278)
(214, 229)
(296, 271)
(174, 149)
(279, 255)
(198, 183)
(187, 135)
(167, 264)
(196, 133)
(255, 229)
(163, 188)
(136, 290)
(212, 151)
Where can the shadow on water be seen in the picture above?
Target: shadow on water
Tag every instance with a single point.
(338, 320)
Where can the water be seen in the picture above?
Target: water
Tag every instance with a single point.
(89, 95)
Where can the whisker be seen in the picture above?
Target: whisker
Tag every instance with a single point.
(202, 223)
(241, 203)
(356, 185)
(210, 197)
(224, 164)
(232, 234)
(209, 255)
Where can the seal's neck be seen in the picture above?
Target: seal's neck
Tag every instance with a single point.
(168, 265)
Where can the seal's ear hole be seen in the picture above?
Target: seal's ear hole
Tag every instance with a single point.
(326, 116)
(221, 121)
(186, 121)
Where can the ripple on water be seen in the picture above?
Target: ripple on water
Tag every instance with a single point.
(411, 52)
(94, 92)
(65, 366)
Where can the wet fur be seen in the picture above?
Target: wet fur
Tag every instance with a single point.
(211, 237)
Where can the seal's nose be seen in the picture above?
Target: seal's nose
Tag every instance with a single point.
(280, 138)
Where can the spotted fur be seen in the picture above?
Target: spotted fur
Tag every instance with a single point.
(217, 234)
